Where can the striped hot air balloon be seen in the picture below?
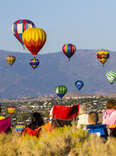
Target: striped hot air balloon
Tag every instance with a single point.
(34, 62)
(11, 109)
(20, 127)
(19, 26)
(111, 76)
(69, 50)
(10, 60)
(61, 91)
(103, 56)
(34, 39)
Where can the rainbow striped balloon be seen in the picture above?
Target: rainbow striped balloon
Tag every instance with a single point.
(69, 50)
(20, 127)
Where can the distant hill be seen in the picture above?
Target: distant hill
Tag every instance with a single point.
(21, 80)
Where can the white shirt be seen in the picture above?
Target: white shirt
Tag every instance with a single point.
(83, 120)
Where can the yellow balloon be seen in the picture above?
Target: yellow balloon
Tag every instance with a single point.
(10, 60)
(34, 39)
(11, 110)
(103, 55)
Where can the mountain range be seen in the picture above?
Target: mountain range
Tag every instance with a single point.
(21, 80)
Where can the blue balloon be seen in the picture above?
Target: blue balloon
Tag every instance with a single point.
(79, 84)
(34, 62)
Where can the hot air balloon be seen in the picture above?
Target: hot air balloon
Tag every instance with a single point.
(10, 60)
(69, 50)
(103, 56)
(111, 76)
(11, 109)
(61, 91)
(20, 127)
(34, 62)
(34, 39)
(79, 84)
(19, 26)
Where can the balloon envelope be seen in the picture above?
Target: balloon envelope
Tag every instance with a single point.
(34, 39)
(111, 76)
(79, 84)
(20, 127)
(69, 50)
(19, 26)
(103, 56)
(61, 91)
(11, 109)
(10, 60)
(34, 62)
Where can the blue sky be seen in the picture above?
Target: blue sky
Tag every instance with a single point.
(89, 24)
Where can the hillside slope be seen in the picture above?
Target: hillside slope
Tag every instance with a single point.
(21, 80)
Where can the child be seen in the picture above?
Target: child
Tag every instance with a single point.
(83, 117)
(96, 128)
(109, 116)
(33, 129)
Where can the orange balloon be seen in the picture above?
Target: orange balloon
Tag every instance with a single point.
(11, 109)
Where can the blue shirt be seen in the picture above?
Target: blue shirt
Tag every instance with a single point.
(98, 129)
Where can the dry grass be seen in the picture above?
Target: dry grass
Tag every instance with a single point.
(66, 141)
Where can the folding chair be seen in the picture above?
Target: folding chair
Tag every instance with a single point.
(62, 112)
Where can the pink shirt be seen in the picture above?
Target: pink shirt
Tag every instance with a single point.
(109, 117)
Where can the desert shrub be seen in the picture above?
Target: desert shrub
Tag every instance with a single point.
(67, 141)
(94, 146)
(8, 145)
(58, 143)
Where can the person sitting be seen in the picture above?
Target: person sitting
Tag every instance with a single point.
(63, 115)
(5, 124)
(62, 112)
(83, 117)
(34, 128)
(96, 128)
(109, 117)
(107, 114)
